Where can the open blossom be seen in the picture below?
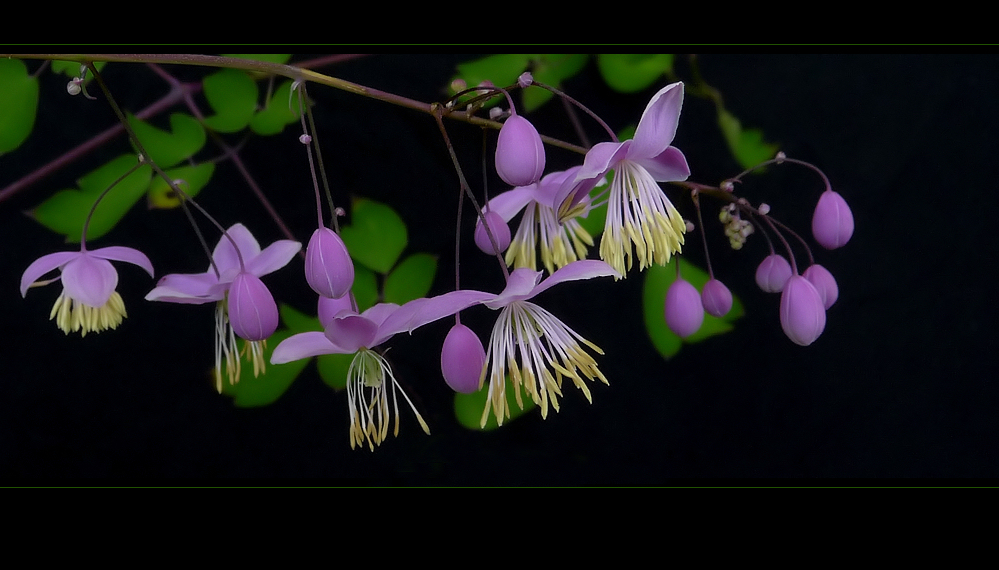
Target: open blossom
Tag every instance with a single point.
(638, 213)
(534, 347)
(243, 305)
(371, 383)
(88, 301)
(539, 229)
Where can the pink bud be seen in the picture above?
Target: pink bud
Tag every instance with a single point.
(684, 312)
(716, 298)
(252, 310)
(500, 231)
(520, 154)
(328, 267)
(773, 273)
(462, 359)
(802, 314)
(824, 283)
(832, 223)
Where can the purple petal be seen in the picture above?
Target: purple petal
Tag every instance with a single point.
(419, 312)
(658, 125)
(302, 345)
(329, 308)
(89, 280)
(598, 161)
(582, 269)
(548, 189)
(519, 286)
(510, 203)
(126, 254)
(520, 154)
(252, 310)
(802, 314)
(273, 257)
(462, 359)
(668, 166)
(350, 332)
(225, 255)
(683, 309)
(328, 268)
(43, 265)
(188, 288)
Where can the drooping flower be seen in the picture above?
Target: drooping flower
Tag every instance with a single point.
(539, 229)
(824, 283)
(462, 359)
(88, 301)
(773, 272)
(683, 309)
(496, 227)
(534, 347)
(370, 380)
(832, 222)
(328, 268)
(243, 305)
(802, 313)
(520, 154)
(716, 298)
(638, 213)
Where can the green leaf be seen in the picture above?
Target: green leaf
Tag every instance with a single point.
(633, 72)
(411, 279)
(468, 408)
(552, 69)
(657, 281)
(255, 391)
(190, 179)
(376, 235)
(66, 210)
(278, 113)
(333, 369)
(233, 96)
(747, 145)
(187, 136)
(18, 103)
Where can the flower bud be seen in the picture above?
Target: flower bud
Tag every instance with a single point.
(772, 273)
(802, 314)
(500, 230)
(684, 312)
(462, 359)
(252, 310)
(832, 222)
(716, 298)
(328, 267)
(520, 154)
(824, 283)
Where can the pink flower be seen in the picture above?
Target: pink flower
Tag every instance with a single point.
(88, 302)
(802, 313)
(520, 154)
(638, 213)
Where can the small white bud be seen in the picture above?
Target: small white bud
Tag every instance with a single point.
(73, 87)
(764, 208)
(305, 139)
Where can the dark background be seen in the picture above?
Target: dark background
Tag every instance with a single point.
(900, 385)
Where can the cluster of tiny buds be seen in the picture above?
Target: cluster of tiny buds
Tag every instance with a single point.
(736, 228)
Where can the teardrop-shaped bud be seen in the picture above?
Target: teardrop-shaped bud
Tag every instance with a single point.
(328, 267)
(520, 154)
(802, 314)
(716, 298)
(500, 230)
(772, 273)
(462, 359)
(824, 283)
(684, 312)
(832, 222)
(252, 310)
